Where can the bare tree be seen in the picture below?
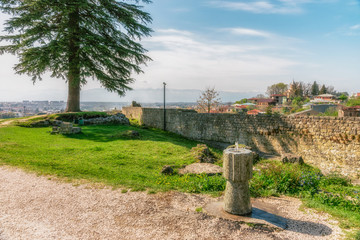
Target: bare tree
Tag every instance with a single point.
(307, 89)
(208, 100)
(260, 96)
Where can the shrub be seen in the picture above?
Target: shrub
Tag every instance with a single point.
(276, 178)
(69, 117)
(338, 200)
(335, 179)
(203, 154)
(357, 236)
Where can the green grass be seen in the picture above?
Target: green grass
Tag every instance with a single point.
(333, 194)
(104, 154)
(112, 156)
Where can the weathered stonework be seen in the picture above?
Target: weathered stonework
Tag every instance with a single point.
(330, 143)
(238, 165)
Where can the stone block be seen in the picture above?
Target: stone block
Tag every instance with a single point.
(237, 165)
(292, 158)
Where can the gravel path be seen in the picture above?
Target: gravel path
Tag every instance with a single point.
(37, 208)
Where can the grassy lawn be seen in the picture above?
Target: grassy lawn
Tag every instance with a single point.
(106, 154)
(109, 155)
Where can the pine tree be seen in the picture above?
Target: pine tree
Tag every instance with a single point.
(77, 40)
(315, 89)
(323, 89)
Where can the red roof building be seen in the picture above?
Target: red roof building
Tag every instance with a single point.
(254, 112)
(327, 97)
(263, 101)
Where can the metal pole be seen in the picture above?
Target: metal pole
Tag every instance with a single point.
(164, 108)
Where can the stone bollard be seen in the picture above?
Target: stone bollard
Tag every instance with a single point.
(237, 171)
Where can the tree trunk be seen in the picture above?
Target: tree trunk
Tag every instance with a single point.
(73, 102)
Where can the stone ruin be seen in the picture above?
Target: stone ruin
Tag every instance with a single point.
(65, 128)
(113, 119)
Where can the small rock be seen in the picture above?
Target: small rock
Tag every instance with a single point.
(75, 130)
(167, 170)
(56, 123)
(134, 133)
(55, 130)
(199, 168)
(292, 158)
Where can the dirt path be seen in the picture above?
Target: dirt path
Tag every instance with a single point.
(33, 207)
(6, 122)
(9, 122)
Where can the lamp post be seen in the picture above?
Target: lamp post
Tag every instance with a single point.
(164, 108)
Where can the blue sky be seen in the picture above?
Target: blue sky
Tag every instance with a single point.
(240, 46)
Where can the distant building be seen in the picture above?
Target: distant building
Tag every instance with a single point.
(350, 112)
(356, 95)
(255, 112)
(324, 98)
(279, 98)
(263, 101)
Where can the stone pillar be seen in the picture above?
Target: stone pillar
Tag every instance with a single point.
(237, 166)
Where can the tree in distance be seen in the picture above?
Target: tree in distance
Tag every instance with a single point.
(76, 40)
(315, 89)
(278, 88)
(208, 100)
(323, 89)
(260, 96)
(343, 97)
(244, 100)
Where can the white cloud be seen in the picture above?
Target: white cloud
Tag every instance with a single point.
(249, 32)
(259, 7)
(190, 61)
(267, 6)
(175, 31)
(355, 27)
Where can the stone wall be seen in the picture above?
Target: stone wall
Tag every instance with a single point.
(330, 143)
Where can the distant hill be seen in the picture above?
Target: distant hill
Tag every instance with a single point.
(148, 95)
(156, 95)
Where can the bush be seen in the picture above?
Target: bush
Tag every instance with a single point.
(338, 200)
(330, 112)
(69, 117)
(275, 178)
(203, 154)
(353, 102)
(335, 179)
(332, 193)
(357, 236)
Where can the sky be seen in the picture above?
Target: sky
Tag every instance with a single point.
(235, 46)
